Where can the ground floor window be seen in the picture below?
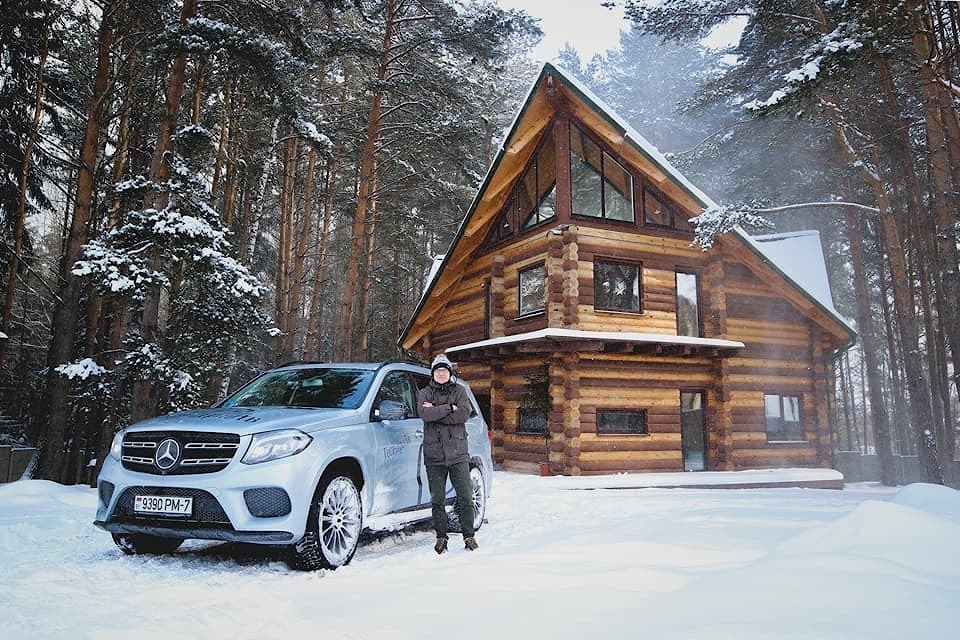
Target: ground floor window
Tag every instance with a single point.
(531, 420)
(619, 421)
(782, 414)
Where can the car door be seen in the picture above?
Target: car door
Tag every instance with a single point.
(419, 382)
(399, 441)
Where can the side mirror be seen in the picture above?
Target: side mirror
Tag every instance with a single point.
(390, 410)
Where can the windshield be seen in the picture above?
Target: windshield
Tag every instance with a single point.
(314, 388)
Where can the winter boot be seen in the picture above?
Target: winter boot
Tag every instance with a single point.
(470, 543)
(441, 545)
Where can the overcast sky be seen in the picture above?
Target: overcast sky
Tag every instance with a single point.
(590, 27)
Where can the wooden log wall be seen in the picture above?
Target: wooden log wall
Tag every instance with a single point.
(786, 354)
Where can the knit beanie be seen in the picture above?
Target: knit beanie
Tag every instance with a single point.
(441, 361)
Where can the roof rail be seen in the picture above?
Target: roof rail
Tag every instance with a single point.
(290, 363)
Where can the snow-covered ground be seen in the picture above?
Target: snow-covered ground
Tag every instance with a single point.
(557, 559)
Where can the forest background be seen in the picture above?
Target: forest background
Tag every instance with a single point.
(194, 191)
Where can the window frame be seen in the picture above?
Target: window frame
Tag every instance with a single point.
(670, 210)
(697, 301)
(532, 412)
(574, 129)
(520, 272)
(783, 436)
(639, 294)
(511, 221)
(642, 413)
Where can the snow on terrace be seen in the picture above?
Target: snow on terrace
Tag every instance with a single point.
(619, 336)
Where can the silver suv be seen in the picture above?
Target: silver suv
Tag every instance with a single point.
(305, 456)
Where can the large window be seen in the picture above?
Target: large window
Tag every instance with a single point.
(782, 415)
(533, 290)
(533, 199)
(688, 306)
(621, 422)
(616, 286)
(601, 187)
(537, 190)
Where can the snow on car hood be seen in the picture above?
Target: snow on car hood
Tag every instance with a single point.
(249, 420)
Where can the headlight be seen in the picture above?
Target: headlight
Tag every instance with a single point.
(116, 447)
(276, 444)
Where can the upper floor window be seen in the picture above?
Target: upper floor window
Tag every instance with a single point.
(657, 213)
(533, 290)
(782, 414)
(688, 305)
(533, 199)
(488, 303)
(600, 186)
(537, 190)
(616, 286)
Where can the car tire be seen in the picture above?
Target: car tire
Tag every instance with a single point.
(333, 526)
(479, 490)
(141, 543)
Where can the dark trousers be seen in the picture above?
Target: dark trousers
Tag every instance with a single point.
(460, 479)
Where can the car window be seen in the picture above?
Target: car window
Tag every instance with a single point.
(420, 381)
(396, 386)
(315, 388)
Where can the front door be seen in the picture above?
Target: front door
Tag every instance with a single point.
(693, 430)
(399, 448)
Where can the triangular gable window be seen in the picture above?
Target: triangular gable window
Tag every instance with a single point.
(533, 199)
(537, 189)
(601, 187)
(503, 225)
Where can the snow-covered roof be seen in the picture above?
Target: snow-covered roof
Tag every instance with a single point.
(606, 336)
(800, 256)
(435, 265)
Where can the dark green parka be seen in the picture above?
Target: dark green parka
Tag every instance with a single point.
(444, 430)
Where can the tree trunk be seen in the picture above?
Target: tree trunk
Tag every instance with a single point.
(22, 200)
(67, 309)
(144, 400)
(344, 343)
(222, 143)
(314, 322)
(943, 135)
(878, 407)
(285, 306)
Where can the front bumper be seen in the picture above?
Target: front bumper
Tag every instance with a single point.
(222, 504)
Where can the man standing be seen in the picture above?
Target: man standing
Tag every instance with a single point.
(444, 407)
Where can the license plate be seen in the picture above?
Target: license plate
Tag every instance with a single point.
(163, 505)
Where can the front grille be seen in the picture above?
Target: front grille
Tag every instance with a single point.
(199, 452)
(206, 509)
(267, 502)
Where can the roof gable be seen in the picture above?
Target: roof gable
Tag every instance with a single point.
(556, 90)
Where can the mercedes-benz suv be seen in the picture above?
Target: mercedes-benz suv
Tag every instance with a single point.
(305, 456)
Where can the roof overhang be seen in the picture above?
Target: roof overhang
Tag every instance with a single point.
(621, 342)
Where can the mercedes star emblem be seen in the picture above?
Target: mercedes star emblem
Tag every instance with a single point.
(167, 454)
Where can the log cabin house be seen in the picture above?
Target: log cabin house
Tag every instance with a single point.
(599, 338)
